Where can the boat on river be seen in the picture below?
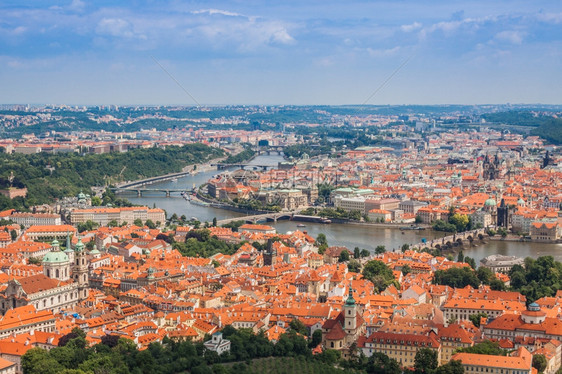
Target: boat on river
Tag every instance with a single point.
(412, 227)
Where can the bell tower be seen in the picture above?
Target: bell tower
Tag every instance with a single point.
(80, 269)
(350, 311)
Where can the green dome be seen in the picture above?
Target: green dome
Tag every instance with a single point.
(55, 258)
(81, 196)
(79, 246)
(520, 201)
(490, 202)
(55, 243)
(95, 251)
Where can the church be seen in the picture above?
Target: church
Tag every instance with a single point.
(62, 285)
(344, 330)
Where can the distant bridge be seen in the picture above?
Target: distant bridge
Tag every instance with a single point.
(265, 217)
(140, 191)
(221, 166)
(451, 241)
(144, 182)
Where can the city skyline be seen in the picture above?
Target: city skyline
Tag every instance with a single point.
(79, 52)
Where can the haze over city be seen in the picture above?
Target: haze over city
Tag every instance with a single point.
(256, 52)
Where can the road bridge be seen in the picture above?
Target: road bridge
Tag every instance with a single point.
(221, 166)
(140, 191)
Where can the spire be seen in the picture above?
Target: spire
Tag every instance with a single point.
(350, 300)
(68, 244)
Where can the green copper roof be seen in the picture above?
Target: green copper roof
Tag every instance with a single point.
(350, 300)
(55, 257)
(79, 246)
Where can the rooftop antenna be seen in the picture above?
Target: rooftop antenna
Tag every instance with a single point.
(388, 79)
(175, 80)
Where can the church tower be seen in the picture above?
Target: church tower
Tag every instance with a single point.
(350, 311)
(80, 269)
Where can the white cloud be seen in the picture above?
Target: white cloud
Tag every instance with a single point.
(383, 52)
(77, 5)
(510, 36)
(550, 17)
(217, 11)
(411, 27)
(114, 27)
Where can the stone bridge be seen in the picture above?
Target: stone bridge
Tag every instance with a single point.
(454, 240)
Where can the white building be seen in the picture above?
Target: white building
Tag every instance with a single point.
(218, 344)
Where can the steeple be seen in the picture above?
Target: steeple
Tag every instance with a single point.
(350, 300)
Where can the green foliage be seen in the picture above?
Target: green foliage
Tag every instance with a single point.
(340, 213)
(321, 240)
(425, 361)
(344, 256)
(354, 266)
(406, 269)
(380, 249)
(89, 225)
(539, 278)
(475, 318)
(485, 275)
(487, 347)
(551, 130)
(379, 363)
(378, 273)
(243, 156)
(457, 277)
(74, 172)
(539, 362)
(200, 243)
(451, 367)
(297, 326)
(234, 225)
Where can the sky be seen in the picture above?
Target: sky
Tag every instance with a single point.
(332, 52)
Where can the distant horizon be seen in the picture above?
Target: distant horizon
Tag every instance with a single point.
(278, 105)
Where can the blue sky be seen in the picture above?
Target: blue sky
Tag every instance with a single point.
(281, 52)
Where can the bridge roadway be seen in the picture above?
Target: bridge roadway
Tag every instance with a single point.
(451, 241)
(273, 216)
(144, 182)
(140, 191)
(221, 166)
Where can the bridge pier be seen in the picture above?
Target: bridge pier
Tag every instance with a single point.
(167, 193)
(139, 193)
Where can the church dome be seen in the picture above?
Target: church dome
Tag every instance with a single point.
(55, 258)
(521, 202)
(490, 202)
(79, 246)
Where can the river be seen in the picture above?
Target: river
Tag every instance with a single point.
(350, 236)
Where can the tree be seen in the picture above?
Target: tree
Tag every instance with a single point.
(321, 240)
(451, 367)
(365, 253)
(298, 326)
(425, 361)
(485, 275)
(470, 261)
(497, 285)
(138, 222)
(418, 219)
(151, 225)
(96, 201)
(344, 256)
(539, 362)
(316, 338)
(475, 318)
(486, 347)
(356, 253)
(379, 363)
(113, 223)
(380, 249)
(406, 269)
(379, 274)
(214, 221)
(354, 266)
(405, 247)
(460, 257)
